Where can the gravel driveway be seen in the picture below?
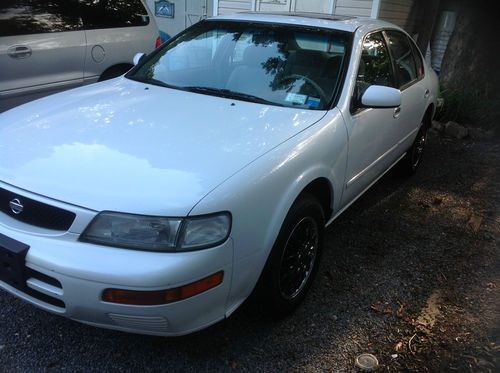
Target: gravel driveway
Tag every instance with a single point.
(411, 274)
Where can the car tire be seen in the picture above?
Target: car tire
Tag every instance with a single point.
(294, 258)
(413, 158)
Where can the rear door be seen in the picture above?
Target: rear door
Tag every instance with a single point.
(115, 30)
(42, 49)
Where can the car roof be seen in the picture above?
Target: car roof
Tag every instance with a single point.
(343, 23)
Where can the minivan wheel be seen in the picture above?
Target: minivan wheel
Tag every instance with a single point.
(294, 258)
(114, 72)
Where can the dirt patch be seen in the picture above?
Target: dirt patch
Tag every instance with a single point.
(410, 274)
(431, 312)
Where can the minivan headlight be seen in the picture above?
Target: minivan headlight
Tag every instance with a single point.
(156, 233)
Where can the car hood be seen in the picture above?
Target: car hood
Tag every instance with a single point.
(127, 146)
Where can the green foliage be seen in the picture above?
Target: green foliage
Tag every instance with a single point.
(471, 106)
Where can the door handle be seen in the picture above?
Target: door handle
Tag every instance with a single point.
(19, 51)
(397, 111)
(427, 93)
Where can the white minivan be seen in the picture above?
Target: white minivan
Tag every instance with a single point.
(50, 46)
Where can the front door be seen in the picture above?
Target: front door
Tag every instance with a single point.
(372, 132)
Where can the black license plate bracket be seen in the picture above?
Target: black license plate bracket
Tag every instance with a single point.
(12, 261)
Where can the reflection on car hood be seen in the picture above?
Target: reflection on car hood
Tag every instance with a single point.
(127, 146)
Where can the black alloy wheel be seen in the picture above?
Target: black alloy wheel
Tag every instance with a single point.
(413, 158)
(294, 258)
(299, 256)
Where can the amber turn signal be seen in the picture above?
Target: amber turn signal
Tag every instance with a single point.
(152, 298)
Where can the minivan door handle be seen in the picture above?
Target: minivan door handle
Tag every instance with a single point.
(397, 111)
(19, 51)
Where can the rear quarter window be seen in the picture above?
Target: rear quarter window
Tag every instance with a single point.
(101, 14)
(25, 17)
(418, 59)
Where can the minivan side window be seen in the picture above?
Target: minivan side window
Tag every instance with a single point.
(99, 14)
(24, 17)
(374, 68)
(404, 63)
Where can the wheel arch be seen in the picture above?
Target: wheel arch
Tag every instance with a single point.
(115, 70)
(429, 114)
(322, 190)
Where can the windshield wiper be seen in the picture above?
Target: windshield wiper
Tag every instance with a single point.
(227, 93)
(153, 81)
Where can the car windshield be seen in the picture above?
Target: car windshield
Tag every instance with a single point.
(266, 63)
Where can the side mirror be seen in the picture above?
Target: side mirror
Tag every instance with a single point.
(138, 57)
(377, 96)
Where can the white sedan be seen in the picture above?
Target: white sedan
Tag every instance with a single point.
(157, 202)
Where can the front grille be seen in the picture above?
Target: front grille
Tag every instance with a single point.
(36, 213)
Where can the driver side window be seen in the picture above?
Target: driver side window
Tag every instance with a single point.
(374, 67)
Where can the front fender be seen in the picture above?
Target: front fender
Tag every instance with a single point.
(260, 195)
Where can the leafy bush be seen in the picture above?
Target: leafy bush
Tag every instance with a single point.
(472, 106)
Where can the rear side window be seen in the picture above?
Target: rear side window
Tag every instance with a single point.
(404, 63)
(24, 17)
(99, 14)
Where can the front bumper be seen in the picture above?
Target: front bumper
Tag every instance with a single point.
(83, 271)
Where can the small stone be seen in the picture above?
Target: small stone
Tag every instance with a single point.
(438, 126)
(456, 130)
(475, 222)
(394, 356)
(399, 346)
(437, 201)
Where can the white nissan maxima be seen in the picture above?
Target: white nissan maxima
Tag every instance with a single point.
(157, 202)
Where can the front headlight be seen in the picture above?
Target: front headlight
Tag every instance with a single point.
(156, 233)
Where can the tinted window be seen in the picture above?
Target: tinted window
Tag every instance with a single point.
(375, 66)
(21, 17)
(99, 14)
(418, 60)
(404, 63)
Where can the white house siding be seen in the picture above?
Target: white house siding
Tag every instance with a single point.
(234, 6)
(398, 12)
(357, 8)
